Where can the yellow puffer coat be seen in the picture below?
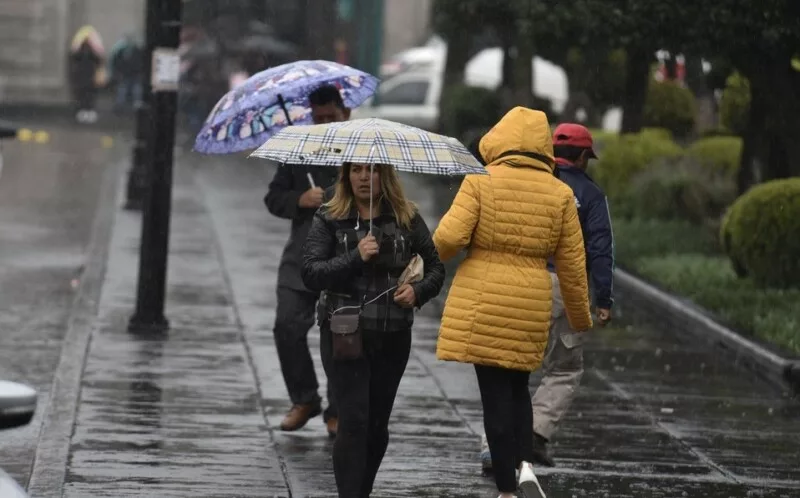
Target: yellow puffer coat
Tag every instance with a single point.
(498, 309)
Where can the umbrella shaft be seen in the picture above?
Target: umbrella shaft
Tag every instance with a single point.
(285, 111)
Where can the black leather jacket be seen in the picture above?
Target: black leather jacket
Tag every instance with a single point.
(332, 263)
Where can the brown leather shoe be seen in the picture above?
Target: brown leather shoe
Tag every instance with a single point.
(299, 416)
(332, 425)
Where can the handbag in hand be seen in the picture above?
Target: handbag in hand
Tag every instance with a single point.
(413, 272)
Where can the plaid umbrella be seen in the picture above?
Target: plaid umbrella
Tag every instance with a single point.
(370, 141)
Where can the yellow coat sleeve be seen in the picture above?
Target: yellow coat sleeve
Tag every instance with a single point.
(570, 260)
(455, 229)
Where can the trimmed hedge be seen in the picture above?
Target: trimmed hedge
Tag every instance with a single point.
(682, 189)
(626, 156)
(725, 239)
(721, 154)
(734, 107)
(684, 259)
(761, 233)
(671, 106)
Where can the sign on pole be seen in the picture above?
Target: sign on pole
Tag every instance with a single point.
(166, 70)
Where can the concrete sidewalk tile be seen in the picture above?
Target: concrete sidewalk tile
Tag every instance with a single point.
(194, 414)
(178, 416)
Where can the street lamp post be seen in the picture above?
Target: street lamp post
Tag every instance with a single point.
(142, 154)
(163, 38)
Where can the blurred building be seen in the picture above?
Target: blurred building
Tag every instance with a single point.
(35, 37)
(35, 34)
(407, 23)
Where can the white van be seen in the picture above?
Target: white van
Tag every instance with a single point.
(412, 83)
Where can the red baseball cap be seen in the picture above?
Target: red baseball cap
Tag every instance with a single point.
(575, 135)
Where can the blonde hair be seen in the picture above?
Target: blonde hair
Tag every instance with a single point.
(391, 190)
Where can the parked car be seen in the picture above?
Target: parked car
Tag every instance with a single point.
(17, 407)
(7, 130)
(17, 401)
(412, 84)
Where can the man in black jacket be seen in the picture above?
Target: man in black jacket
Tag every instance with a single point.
(295, 193)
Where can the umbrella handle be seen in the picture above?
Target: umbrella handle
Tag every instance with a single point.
(283, 106)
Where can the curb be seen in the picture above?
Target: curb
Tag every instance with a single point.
(685, 318)
(52, 451)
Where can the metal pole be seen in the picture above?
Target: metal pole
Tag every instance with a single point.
(142, 155)
(151, 289)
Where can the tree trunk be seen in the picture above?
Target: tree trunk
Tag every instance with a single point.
(456, 58)
(506, 89)
(523, 73)
(636, 81)
(753, 150)
(670, 68)
(772, 141)
(578, 100)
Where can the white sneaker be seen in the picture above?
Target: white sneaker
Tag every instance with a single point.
(528, 483)
(80, 116)
(91, 116)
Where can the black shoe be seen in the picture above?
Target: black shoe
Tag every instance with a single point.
(540, 454)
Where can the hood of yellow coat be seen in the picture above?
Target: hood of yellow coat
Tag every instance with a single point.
(521, 138)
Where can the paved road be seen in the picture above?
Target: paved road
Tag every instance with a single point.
(193, 414)
(48, 194)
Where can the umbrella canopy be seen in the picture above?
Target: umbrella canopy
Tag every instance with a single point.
(371, 141)
(249, 114)
(87, 34)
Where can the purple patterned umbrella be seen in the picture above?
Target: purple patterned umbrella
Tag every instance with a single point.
(270, 100)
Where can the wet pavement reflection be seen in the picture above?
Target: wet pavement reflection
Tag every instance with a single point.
(194, 413)
(48, 196)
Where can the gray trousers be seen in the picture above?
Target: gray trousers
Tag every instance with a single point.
(562, 367)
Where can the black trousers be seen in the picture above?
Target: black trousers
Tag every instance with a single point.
(366, 389)
(508, 421)
(85, 98)
(294, 318)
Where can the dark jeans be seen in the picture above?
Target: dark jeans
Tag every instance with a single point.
(366, 389)
(508, 421)
(129, 91)
(294, 318)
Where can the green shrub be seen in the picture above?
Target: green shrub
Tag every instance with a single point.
(657, 133)
(635, 239)
(681, 189)
(624, 157)
(721, 154)
(734, 107)
(725, 239)
(602, 137)
(769, 314)
(465, 108)
(671, 106)
(762, 233)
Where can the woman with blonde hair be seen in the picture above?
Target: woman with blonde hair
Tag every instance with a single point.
(357, 249)
(497, 314)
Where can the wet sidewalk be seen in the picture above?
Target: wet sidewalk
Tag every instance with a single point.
(194, 413)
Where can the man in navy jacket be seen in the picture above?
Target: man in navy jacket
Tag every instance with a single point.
(563, 362)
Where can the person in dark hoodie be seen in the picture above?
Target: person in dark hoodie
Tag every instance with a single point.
(295, 193)
(85, 60)
(563, 363)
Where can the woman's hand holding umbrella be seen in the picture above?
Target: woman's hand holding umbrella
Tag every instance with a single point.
(368, 247)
